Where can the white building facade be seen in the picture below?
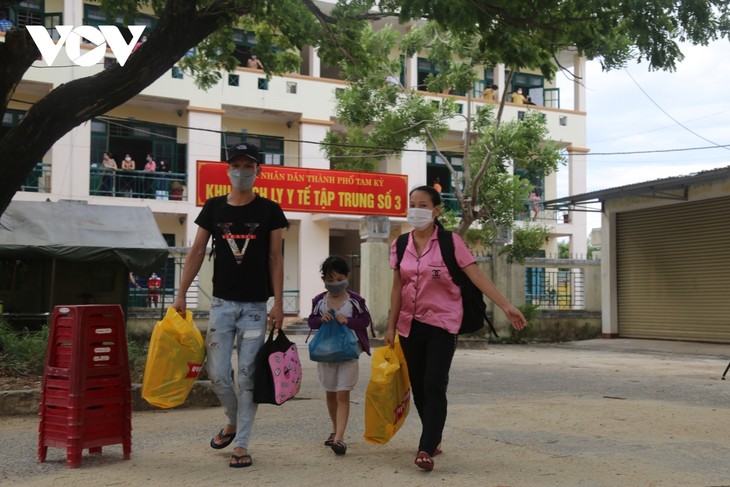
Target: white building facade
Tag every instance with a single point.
(287, 116)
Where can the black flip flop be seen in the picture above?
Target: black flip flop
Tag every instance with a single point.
(229, 438)
(238, 459)
(339, 447)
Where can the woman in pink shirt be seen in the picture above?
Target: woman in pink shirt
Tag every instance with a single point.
(426, 311)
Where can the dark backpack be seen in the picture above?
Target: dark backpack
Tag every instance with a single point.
(475, 309)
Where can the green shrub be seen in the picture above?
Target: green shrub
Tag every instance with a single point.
(137, 351)
(22, 352)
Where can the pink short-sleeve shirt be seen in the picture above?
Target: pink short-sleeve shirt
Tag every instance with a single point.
(428, 294)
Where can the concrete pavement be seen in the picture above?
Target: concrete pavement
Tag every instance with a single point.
(593, 413)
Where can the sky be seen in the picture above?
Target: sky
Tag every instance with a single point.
(690, 109)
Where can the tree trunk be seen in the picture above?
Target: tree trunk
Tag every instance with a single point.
(179, 29)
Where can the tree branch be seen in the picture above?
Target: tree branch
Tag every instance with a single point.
(17, 54)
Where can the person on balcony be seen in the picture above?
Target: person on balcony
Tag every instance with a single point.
(163, 180)
(5, 24)
(535, 204)
(126, 180)
(254, 62)
(518, 97)
(491, 94)
(109, 168)
(149, 179)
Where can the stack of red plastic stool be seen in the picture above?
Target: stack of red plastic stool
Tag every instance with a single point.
(86, 399)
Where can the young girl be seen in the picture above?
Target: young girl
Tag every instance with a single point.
(339, 378)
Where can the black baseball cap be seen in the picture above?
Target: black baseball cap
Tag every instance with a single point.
(245, 150)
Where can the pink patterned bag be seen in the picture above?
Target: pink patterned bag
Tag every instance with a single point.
(278, 373)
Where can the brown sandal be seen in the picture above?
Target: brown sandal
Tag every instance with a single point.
(424, 461)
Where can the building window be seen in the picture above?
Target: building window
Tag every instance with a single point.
(263, 84)
(29, 12)
(425, 68)
(177, 73)
(233, 79)
(520, 115)
(95, 16)
(291, 87)
(271, 148)
(563, 120)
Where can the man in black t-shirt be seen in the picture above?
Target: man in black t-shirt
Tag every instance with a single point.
(247, 233)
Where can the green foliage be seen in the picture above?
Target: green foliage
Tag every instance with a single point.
(563, 250)
(22, 352)
(526, 242)
(528, 34)
(137, 352)
(475, 236)
(379, 119)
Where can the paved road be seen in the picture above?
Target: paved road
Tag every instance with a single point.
(594, 413)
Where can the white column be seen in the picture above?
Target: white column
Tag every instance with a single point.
(310, 154)
(609, 299)
(577, 185)
(71, 159)
(314, 247)
(375, 279)
(579, 86)
(412, 72)
(203, 145)
(73, 12)
(314, 64)
(499, 78)
(412, 163)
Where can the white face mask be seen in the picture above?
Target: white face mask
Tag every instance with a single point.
(242, 180)
(420, 218)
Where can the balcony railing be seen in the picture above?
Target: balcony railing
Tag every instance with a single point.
(137, 184)
(39, 180)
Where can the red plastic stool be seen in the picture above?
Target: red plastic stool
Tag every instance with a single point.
(86, 399)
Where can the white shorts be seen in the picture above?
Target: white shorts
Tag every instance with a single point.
(338, 376)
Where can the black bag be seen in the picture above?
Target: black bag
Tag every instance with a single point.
(277, 370)
(475, 309)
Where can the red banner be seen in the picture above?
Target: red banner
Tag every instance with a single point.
(315, 190)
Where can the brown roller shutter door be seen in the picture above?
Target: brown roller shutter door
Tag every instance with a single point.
(673, 272)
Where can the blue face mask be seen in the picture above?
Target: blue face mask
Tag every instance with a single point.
(336, 288)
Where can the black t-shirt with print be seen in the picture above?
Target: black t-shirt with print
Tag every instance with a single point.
(241, 238)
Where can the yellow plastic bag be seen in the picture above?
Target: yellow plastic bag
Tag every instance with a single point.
(174, 360)
(388, 396)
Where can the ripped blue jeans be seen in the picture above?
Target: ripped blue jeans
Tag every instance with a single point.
(244, 323)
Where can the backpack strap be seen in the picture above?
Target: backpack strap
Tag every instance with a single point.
(448, 254)
(400, 248)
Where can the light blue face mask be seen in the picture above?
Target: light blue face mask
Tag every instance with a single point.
(336, 288)
(242, 180)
